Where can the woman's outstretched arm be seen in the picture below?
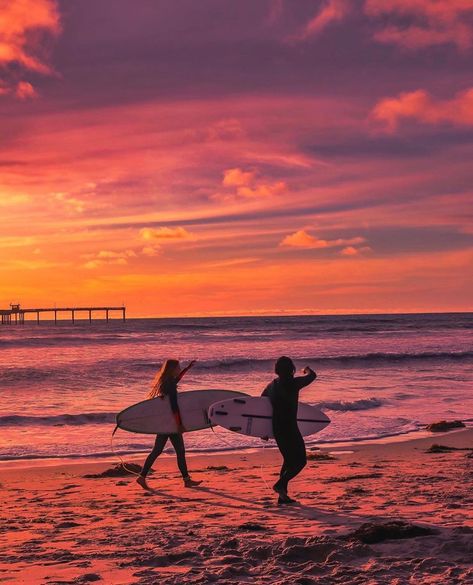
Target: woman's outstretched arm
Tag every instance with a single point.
(185, 370)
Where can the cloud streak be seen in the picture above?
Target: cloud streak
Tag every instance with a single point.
(331, 11)
(420, 105)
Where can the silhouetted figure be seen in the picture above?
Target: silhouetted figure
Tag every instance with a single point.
(165, 384)
(283, 392)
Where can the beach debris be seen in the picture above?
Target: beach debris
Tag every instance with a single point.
(120, 470)
(87, 578)
(356, 491)
(444, 425)
(320, 456)
(252, 527)
(68, 524)
(435, 448)
(370, 533)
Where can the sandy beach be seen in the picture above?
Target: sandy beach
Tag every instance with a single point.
(59, 526)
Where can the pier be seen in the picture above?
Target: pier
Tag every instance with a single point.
(15, 315)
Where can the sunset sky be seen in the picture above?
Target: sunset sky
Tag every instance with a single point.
(194, 157)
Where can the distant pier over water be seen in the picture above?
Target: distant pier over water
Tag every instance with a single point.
(15, 315)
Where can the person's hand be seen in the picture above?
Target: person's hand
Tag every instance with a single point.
(307, 370)
(192, 363)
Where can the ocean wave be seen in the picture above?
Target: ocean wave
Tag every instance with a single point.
(113, 369)
(347, 358)
(346, 405)
(23, 374)
(58, 419)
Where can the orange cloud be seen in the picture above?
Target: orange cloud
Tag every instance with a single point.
(331, 11)
(237, 177)
(439, 22)
(302, 239)
(249, 187)
(419, 105)
(21, 25)
(165, 234)
(155, 237)
(109, 257)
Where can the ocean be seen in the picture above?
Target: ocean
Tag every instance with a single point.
(378, 376)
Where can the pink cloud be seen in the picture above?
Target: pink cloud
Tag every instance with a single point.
(438, 22)
(20, 40)
(25, 90)
(331, 11)
(419, 105)
(302, 239)
(352, 251)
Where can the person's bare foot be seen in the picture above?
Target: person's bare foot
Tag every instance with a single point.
(189, 483)
(284, 500)
(140, 480)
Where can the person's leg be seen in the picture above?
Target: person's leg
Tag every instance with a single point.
(159, 444)
(284, 446)
(178, 443)
(292, 448)
(298, 459)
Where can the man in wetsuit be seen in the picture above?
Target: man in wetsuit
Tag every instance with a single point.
(283, 392)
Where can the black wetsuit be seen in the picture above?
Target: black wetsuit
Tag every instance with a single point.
(169, 389)
(284, 396)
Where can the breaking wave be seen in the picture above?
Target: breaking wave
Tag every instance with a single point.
(347, 406)
(57, 420)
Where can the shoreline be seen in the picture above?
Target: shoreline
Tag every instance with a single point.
(405, 440)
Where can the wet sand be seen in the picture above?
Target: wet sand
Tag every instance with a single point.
(58, 526)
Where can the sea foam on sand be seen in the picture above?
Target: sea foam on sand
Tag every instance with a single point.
(382, 514)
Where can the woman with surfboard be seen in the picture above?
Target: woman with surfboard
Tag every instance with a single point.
(165, 384)
(283, 393)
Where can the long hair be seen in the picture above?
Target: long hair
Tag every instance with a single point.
(285, 368)
(167, 372)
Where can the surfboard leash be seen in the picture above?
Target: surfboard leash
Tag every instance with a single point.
(122, 463)
(233, 449)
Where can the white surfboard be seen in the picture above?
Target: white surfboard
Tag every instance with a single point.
(253, 416)
(154, 416)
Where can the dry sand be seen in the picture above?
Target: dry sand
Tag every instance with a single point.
(59, 527)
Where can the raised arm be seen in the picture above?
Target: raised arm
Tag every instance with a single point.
(308, 378)
(185, 370)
